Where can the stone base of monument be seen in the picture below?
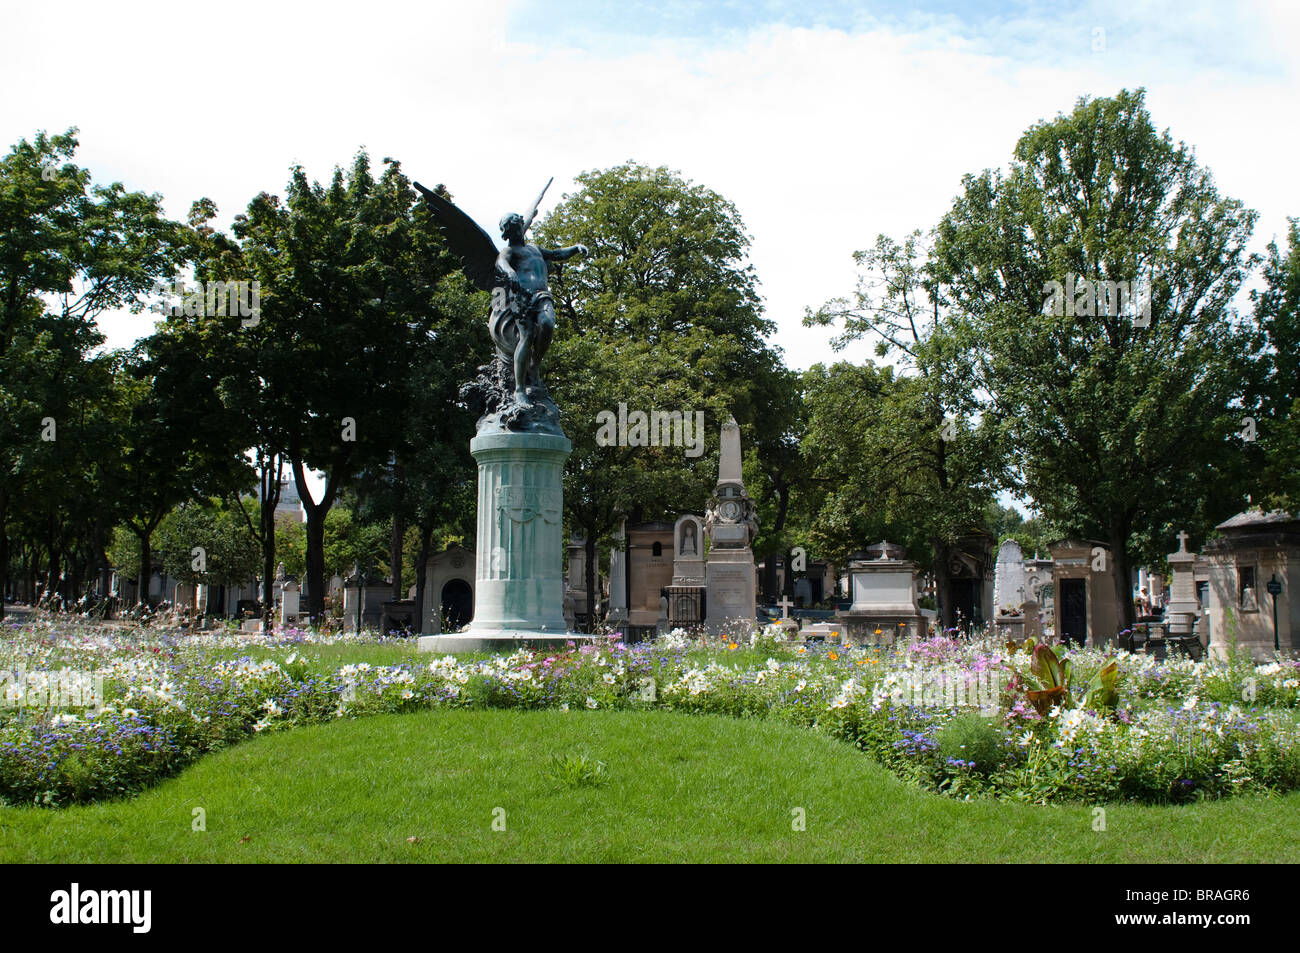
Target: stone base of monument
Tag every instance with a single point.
(1010, 628)
(872, 627)
(505, 642)
(822, 632)
(519, 589)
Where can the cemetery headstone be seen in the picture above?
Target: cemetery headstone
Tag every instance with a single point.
(1009, 578)
(730, 526)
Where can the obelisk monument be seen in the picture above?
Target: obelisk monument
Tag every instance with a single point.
(730, 524)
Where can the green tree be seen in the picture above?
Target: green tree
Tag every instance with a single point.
(69, 250)
(664, 314)
(1121, 432)
(350, 308)
(1276, 405)
(204, 542)
(899, 450)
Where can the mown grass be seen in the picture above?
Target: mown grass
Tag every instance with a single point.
(674, 788)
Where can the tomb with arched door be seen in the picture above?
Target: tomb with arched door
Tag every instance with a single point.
(448, 591)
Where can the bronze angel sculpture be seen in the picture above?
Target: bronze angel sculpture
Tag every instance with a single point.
(509, 393)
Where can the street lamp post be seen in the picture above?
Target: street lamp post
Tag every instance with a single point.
(1274, 587)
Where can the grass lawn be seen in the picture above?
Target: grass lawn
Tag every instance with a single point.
(678, 788)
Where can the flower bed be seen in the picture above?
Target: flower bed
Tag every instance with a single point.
(95, 711)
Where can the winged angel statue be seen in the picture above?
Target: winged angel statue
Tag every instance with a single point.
(509, 393)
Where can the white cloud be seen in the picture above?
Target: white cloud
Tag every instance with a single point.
(822, 137)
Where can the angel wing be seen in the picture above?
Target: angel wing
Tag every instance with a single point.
(473, 246)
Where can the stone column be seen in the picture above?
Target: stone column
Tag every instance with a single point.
(1183, 606)
(519, 588)
(618, 595)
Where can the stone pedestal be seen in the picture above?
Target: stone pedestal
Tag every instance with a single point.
(732, 587)
(519, 587)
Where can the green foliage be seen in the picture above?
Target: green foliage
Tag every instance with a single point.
(913, 466)
(69, 251)
(1277, 407)
(1094, 405)
(974, 740)
(230, 554)
(664, 314)
(291, 546)
(577, 770)
(365, 318)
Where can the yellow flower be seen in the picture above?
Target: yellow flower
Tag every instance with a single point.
(802, 650)
(732, 646)
(832, 656)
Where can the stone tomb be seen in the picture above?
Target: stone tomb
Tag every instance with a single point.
(966, 584)
(884, 608)
(372, 597)
(448, 591)
(1084, 592)
(1009, 590)
(650, 567)
(1256, 549)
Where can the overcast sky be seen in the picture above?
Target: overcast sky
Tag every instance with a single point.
(825, 123)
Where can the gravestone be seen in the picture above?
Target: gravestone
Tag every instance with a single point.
(688, 551)
(730, 525)
(1009, 578)
(288, 598)
(1183, 607)
(1033, 621)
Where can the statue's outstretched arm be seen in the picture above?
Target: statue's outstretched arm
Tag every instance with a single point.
(563, 254)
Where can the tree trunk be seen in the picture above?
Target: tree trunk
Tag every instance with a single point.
(316, 563)
(269, 500)
(421, 570)
(316, 513)
(146, 558)
(1119, 570)
(395, 555)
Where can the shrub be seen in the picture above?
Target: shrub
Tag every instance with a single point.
(973, 740)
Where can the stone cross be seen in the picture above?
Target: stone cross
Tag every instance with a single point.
(785, 605)
(1182, 541)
